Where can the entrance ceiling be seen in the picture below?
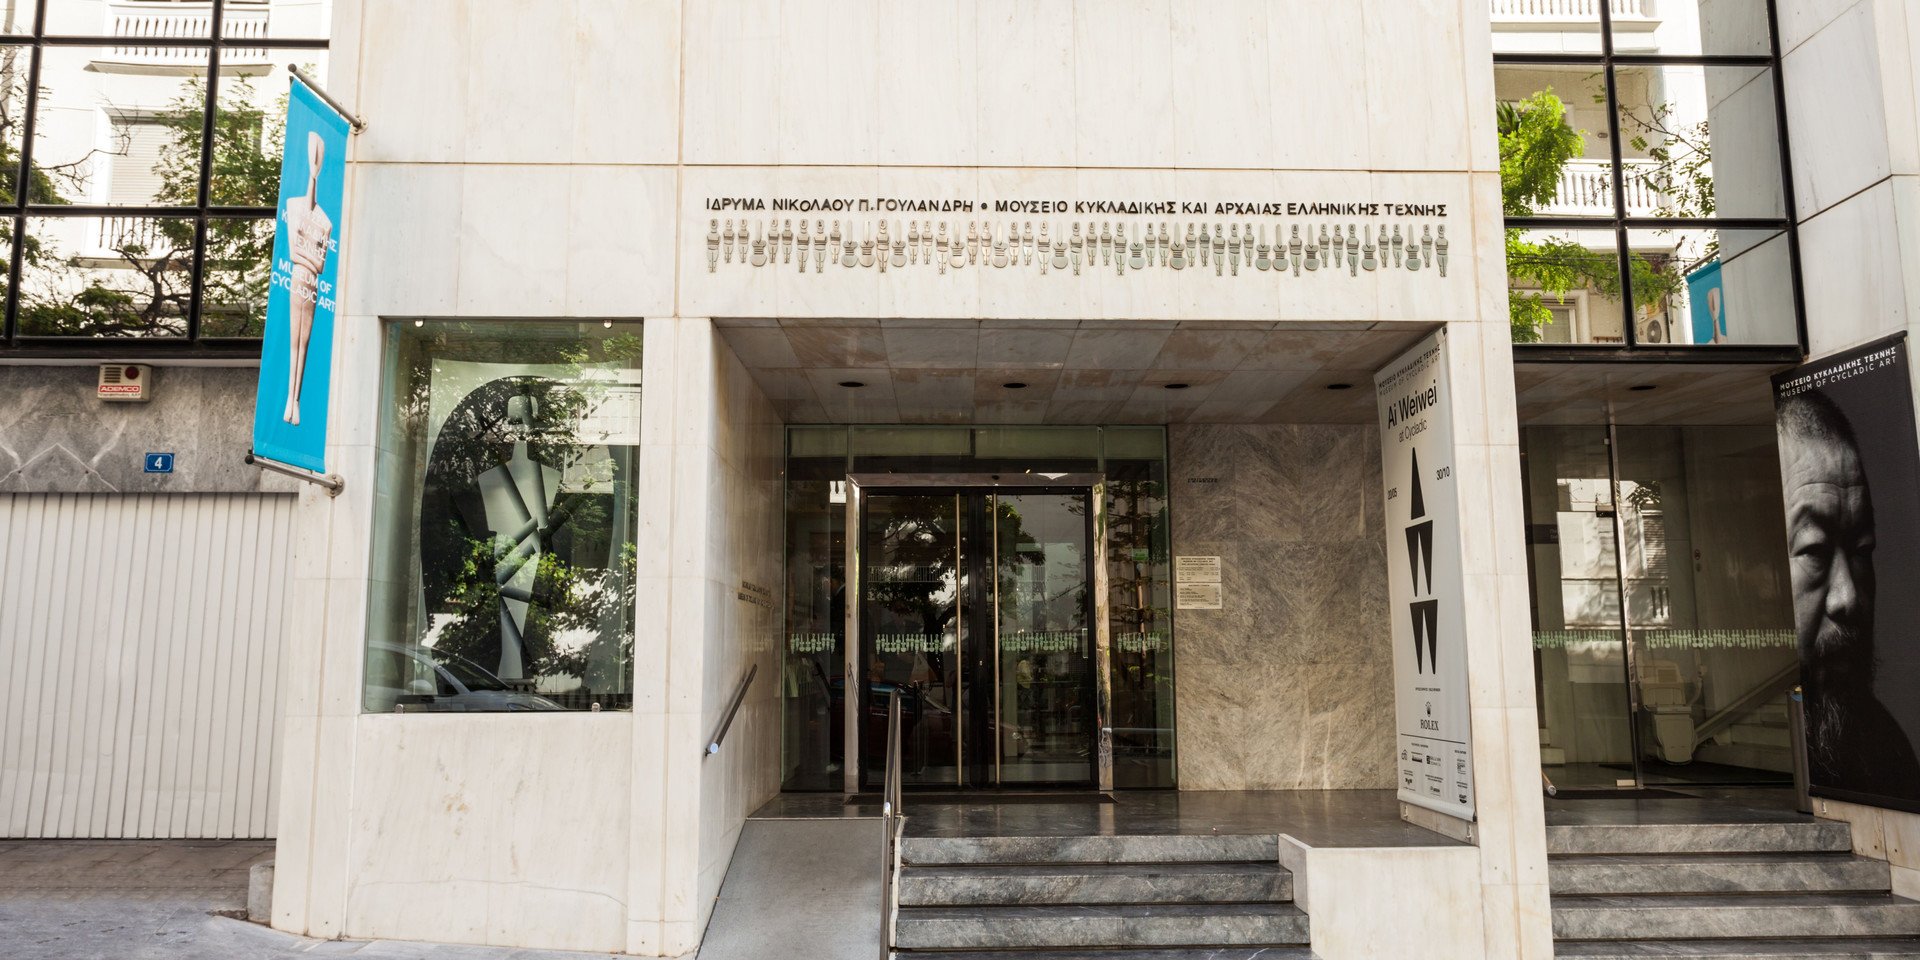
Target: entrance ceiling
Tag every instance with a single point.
(1084, 372)
(1699, 394)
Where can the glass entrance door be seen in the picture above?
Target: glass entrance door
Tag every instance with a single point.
(978, 606)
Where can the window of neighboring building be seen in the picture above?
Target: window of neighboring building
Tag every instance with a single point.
(140, 166)
(504, 533)
(1643, 167)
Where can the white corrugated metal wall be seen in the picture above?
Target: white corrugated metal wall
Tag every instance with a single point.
(140, 663)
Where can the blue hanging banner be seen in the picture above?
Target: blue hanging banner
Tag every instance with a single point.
(296, 352)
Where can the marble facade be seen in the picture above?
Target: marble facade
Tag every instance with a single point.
(1294, 513)
(580, 190)
(57, 437)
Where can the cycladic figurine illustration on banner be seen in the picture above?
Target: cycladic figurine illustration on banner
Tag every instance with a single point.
(309, 229)
(296, 341)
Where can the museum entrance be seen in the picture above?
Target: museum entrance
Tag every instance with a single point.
(980, 599)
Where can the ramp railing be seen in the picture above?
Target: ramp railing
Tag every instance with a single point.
(891, 823)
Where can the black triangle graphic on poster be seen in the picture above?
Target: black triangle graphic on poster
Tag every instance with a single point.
(1420, 554)
(1419, 638)
(1419, 499)
(1426, 626)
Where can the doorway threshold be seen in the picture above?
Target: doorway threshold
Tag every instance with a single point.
(990, 797)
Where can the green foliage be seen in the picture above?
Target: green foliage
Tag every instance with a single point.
(148, 291)
(1536, 144)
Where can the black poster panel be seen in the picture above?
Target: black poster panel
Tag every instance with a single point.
(1850, 478)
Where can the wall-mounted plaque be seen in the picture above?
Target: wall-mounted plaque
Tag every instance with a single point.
(1196, 569)
(1196, 596)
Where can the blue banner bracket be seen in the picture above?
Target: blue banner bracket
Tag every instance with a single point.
(333, 482)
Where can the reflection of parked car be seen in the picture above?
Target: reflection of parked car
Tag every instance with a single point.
(431, 681)
(926, 727)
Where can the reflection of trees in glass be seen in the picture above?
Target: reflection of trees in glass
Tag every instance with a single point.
(572, 600)
(1680, 171)
(583, 623)
(147, 289)
(580, 595)
(1536, 144)
(1136, 534)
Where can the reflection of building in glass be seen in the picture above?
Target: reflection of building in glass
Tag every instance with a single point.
(1694, 137)
(121, 124)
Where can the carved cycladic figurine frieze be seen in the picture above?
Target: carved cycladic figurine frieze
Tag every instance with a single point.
(1320, 248)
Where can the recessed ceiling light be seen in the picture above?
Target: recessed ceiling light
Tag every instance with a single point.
(1178, 386)
(1014, 385)
(1339, 386)
(1641, 386)
(851, 383)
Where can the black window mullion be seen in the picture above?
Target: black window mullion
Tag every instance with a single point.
(203, 212)
(1623, 252)
(17, 257)
(198, 279)
(1786, 178)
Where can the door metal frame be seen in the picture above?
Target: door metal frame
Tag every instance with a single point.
(858, 485)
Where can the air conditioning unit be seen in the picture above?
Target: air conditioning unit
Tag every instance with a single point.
(125, 382)
(1652, 330)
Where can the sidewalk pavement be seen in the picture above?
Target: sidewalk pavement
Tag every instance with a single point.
(162, 900)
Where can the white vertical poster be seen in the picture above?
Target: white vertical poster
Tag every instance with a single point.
(1425, 588)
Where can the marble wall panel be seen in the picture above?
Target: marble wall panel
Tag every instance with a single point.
(56, 437)
(1283, 687)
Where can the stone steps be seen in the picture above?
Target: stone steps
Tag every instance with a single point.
(1097, 898)
(1198, 953)
(1848, 949)
(1076, 925)
(1799, 836)
(1102, 883)
(1778, 916)
(1590, 875)
(1093, 849)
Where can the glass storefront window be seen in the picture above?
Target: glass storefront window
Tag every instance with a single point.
(504, 525)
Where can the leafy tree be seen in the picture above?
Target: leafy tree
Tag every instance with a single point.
(1536, 144)
(148, 291)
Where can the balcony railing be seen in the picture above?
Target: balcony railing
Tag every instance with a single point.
(1566, 11)
(133, 22)
(139, 237)
(1586, 190)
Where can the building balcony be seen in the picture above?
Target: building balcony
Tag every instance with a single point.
(119, 237)
(132, 22)
(1586, 190)
(1580, 15)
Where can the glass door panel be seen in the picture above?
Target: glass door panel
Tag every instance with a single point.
(912, 624)
(1044, 658)
(1586, 728)
(1709, 612)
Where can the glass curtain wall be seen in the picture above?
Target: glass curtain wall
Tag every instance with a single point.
(140, 168)
(1663, 637)
(1133, 459)
(1643, 174)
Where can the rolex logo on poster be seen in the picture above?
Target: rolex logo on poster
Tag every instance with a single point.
(1425, 584)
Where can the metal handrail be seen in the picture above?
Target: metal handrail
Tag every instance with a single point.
(890, 823)
(739, 696)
